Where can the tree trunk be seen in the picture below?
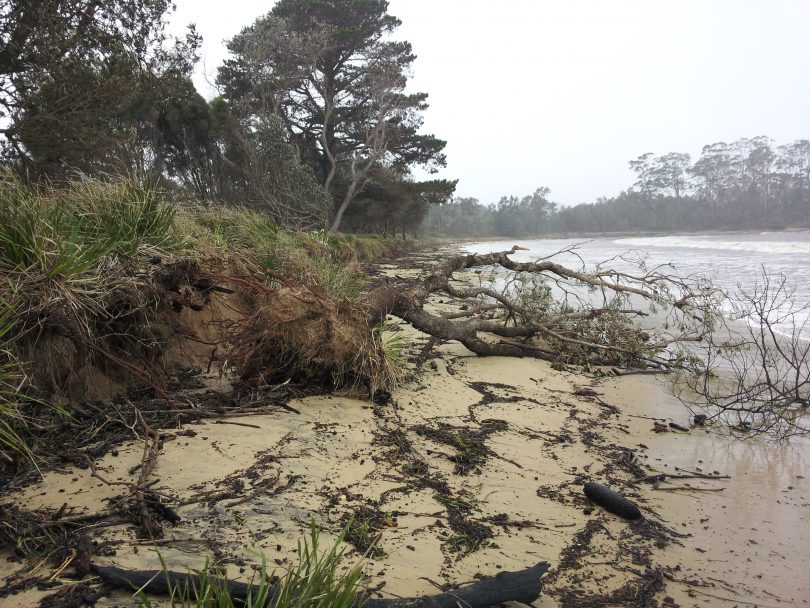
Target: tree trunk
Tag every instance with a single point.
(342, 209)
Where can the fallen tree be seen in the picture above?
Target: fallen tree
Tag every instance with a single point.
(753, 380)
(527, 321)
(756, 377)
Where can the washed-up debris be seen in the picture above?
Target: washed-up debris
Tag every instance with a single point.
(611, 501)
(519, 586)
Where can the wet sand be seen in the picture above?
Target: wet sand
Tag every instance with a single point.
(476, 466)
(750, 540)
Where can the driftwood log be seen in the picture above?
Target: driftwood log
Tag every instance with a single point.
(611, 501)
(519, 586)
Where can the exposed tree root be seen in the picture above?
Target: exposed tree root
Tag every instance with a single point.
(298, 332)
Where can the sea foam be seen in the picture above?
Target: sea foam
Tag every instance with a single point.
(686, 242)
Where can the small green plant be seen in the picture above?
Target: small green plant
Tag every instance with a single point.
(316, 580)
(394, 344)
(319, 236)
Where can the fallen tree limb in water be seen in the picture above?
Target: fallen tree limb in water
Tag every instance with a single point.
(519, 586)
(596, 329)
(755, 380)
(763, 363)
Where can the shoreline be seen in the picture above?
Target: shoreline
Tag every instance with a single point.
(475, 466)
(620, 234)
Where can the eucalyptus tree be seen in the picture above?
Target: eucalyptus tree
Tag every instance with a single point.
(662, 175)
(672, 174)
(642, 166)
(717, 173)
(536, 210)
(794, 160)
(331, 71)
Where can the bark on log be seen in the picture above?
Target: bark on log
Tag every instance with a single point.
(519, 586)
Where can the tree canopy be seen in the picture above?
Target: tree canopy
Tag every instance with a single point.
(80, 81)
(315, 119)
(330, 71)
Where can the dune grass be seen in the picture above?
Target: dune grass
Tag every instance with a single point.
(314, 258)
(10, 381)
(65, 233)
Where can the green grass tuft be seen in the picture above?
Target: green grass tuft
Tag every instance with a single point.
(315, 581)
(394, 346)
(11, 421)
(66, 233)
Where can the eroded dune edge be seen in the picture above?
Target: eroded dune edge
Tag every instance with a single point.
(473, 466)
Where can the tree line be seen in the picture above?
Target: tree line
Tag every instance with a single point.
(745, 184)
(313, 124)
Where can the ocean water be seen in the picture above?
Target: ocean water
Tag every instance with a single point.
(732, 261)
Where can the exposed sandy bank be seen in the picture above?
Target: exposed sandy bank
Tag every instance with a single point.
(476, 465)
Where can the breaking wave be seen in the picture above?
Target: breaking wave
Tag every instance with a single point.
(686, 242)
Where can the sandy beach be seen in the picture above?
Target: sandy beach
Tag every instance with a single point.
(475, 466)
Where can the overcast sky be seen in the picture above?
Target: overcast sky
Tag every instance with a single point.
(563, 93)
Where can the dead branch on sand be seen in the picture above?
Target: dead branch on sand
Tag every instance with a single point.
(520, 586)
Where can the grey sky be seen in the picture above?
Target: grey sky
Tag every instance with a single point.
(563, 93)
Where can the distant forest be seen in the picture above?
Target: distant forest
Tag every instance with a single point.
(746, 184)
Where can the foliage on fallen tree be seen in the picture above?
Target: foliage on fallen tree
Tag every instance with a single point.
(758, 380)
(756, 374)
